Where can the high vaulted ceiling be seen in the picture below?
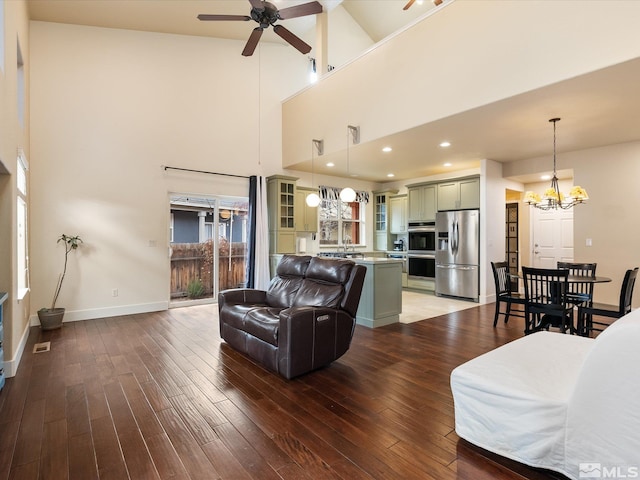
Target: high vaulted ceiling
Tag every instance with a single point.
(378, 18)
(612, 92)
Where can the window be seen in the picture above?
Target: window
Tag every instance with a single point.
(23, 254)
(341, 223)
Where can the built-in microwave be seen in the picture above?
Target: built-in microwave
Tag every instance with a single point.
(422, 237)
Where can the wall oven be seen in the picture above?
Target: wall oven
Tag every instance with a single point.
(421, 266)
(421, 254)
(422, 237)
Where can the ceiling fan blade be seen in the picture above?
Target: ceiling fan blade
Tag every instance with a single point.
(206, 17)
(292, 39)
(310, 8)
(252, 43)
(257, 4)
(408, 5)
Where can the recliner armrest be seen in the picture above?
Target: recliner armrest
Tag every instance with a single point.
(241, 295)
(311, 337)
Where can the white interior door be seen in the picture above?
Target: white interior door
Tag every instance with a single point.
(552, 233)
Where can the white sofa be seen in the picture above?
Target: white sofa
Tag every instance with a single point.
(561, 402)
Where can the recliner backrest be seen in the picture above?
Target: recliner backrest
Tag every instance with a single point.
(289, 276)
(324, 283)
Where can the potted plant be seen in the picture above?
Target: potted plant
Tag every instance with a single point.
(51, 318)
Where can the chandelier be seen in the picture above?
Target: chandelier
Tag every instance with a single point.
(553, 198)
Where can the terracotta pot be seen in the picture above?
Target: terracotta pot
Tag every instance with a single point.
(50, 319)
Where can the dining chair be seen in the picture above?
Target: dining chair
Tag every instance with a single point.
(504, 293)
(545, 300)
(586, 312)
(579, 292)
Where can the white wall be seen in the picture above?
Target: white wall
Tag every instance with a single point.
(109, 108)
(409, 81)
(609, 218)
(13, 136)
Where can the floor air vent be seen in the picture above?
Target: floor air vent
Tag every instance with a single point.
(42, 347)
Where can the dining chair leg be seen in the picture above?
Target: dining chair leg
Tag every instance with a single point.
(506, 317)
(495, 317)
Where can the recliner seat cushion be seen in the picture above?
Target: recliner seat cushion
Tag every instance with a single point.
(234, 315)
(263, 323)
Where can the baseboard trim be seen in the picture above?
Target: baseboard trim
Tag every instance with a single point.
(95, 313)
(11, 366)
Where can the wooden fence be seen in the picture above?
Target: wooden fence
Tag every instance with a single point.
(191, 268)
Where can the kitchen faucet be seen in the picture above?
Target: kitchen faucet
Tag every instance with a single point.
(347, 241)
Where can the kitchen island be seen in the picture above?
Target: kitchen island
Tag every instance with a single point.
(381, 301)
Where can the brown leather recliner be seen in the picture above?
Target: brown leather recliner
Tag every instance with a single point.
(303, 322)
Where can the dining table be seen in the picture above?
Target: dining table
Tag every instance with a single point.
(573, 279)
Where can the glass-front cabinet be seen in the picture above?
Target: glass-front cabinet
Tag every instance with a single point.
(382, 234)
(281, 193)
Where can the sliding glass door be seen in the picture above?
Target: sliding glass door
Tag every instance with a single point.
(208, 238)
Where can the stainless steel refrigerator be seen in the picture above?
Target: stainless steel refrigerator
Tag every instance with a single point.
(458, 254)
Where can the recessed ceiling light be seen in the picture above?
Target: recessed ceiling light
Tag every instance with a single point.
(545, 177)
(387, 149)
(447, 164)
(331, 164)
(390, 175)
(445, 144)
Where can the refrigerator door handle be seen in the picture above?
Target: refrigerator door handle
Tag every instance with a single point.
(456, 236)
(453, 237)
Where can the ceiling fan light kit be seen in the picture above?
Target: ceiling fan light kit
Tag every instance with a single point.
(264, 14)
(553, 198)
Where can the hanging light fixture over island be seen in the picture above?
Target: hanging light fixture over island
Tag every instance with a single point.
(348, 194)
(313, 199)
(553, 198)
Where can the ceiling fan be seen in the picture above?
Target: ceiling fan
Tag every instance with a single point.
(265, 14)
(411, 2)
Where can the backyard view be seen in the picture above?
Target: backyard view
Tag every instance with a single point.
(203, 263)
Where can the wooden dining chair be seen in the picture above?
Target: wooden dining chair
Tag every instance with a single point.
(545, 300)
(586, 312)
(579, 292)
(504, 293)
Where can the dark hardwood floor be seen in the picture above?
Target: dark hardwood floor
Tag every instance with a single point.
(161, 396)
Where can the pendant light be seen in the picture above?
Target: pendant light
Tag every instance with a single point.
(553, 198)
(348, 194)
(313, 199)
